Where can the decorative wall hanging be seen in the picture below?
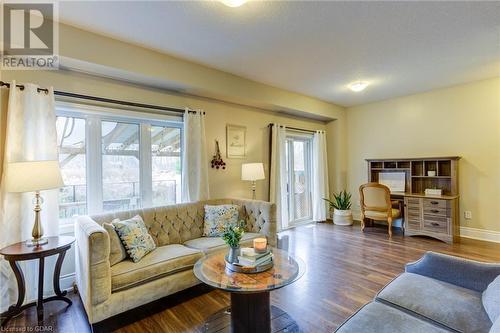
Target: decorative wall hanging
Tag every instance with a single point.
(217, 161)
(235, 141)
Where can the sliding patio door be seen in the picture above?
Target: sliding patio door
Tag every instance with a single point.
(299, 157)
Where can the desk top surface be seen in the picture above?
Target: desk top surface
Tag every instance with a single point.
(422, 195)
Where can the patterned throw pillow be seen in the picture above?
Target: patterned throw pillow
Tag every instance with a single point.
(117, 252)
(135, 237)
(218, 217)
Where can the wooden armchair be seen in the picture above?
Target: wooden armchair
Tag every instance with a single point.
(376, 204)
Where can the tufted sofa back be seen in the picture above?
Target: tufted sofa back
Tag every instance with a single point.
(178, 223)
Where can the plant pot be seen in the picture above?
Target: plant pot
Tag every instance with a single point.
(232, 255)
(342, 217)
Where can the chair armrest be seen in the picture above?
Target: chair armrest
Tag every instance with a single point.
(465, 273)
(93, 270)
(260, 217)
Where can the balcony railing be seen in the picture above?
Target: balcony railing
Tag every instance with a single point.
(74, 197)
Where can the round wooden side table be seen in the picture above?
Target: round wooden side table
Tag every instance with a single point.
(20, 252)
(250, 310)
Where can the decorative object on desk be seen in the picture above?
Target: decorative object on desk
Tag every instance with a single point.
(34, 176)
(433, 191)
(431, 173)
(252, 172)
(232, 237)
(342, 214)
(235, 141)
(260, 245)
(395, 181)
(217, 161)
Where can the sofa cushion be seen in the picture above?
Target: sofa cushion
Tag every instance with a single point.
(218, 217)
(163, 261)
(212, 244)
(117, 252)
(458, 308)
(491, 299)
(376, 318)
(496, 326)
(135, 237)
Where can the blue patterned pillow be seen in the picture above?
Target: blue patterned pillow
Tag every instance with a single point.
(219, 217)
(135, 237)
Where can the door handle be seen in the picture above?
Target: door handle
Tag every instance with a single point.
(435, 224)
(434, 202)
(434, 210)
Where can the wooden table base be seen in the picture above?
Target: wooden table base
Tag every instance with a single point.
(250, 313)
(16, 309)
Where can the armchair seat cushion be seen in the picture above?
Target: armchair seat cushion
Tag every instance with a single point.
(455, 307)
(163, 261)
(372, 214)
(212, 244)
(376, 317)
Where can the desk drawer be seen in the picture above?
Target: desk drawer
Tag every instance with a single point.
(436, 223)
(414, 213)
(413, 224)
(436, 203)
(413, 201)
(436, 211)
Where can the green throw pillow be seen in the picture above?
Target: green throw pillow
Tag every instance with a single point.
(218, 217)
(135, 237)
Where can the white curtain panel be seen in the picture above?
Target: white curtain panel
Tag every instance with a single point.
(194, 158)
(278, 176)
(319, 177)
(31, 135)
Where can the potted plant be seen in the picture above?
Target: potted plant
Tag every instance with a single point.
(232, 236)
(341, 204)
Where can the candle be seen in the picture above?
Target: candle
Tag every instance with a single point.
(260, 244)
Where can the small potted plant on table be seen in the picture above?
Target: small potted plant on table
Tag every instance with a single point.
(232, 236)
(341, 204)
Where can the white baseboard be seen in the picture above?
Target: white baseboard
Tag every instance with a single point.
(480, 234)
(67, 281)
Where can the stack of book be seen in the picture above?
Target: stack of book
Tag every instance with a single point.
(250, 258)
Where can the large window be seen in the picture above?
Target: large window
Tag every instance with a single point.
(113, 162)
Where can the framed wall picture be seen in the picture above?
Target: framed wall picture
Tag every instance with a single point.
(235, 141)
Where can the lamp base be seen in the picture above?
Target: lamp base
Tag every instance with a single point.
(37, 242)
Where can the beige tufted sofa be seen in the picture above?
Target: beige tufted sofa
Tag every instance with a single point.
(108, 290)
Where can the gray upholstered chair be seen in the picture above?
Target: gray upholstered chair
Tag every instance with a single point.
(376, 204)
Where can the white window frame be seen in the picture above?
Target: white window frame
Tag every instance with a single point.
(93, 116)
(307, 138)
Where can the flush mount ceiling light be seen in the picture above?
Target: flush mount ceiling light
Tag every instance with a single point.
(233, 3)
(358, 86)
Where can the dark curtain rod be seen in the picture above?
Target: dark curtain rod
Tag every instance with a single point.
(104, 100)
(297, 129)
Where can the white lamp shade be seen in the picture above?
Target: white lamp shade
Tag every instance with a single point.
(252, 171)
(33, 176)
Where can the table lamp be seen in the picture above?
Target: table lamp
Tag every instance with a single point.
(252, 172)
(34, 176)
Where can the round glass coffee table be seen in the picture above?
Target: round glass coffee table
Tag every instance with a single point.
(250, 309)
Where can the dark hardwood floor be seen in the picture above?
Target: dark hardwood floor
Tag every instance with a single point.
(345, 269)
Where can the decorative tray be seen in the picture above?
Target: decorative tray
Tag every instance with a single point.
(247, 269)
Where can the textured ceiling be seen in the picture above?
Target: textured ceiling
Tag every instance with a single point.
(315, 48)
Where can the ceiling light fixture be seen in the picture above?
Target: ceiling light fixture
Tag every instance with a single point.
(233, 3)
(358, 86)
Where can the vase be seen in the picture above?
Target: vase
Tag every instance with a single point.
(232, 256)
(342, 217)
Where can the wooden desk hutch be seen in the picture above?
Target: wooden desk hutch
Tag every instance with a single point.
(434, 216)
